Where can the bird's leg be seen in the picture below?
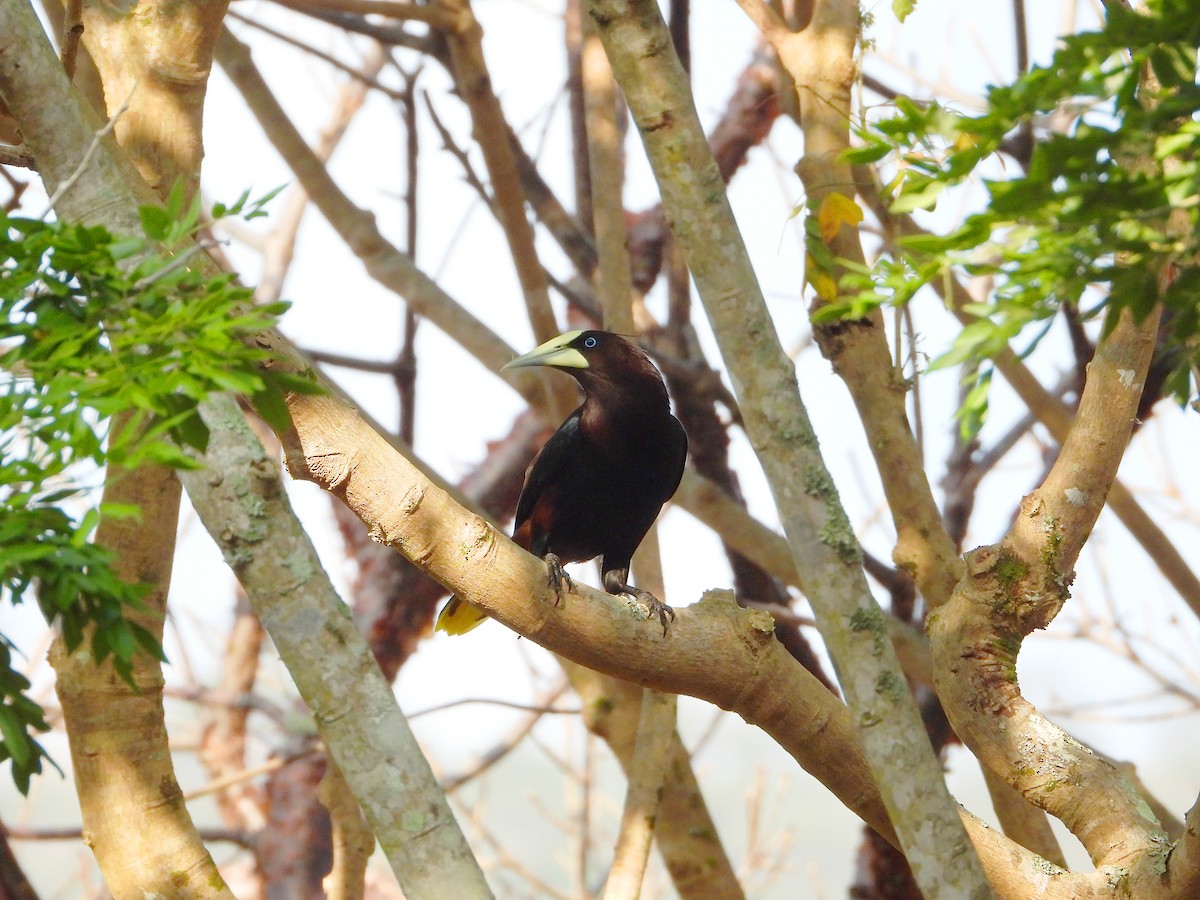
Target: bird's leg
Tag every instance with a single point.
(558, 577)
(615, 583)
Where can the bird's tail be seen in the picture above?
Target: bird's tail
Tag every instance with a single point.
(459, 617)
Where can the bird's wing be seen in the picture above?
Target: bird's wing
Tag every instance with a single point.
(679, 439)
(547, 467)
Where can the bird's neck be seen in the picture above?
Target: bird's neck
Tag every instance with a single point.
(612, 413)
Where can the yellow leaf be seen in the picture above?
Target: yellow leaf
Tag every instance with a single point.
(965, 141)
(822, 283)
(826, 287)
(837, 210)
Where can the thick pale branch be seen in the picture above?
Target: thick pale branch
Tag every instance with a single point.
(821, 62)
(133, 810)
(241, 501)
(154, 57)
(130, 802)
(728, 656)
(1059, 516)
(656, 89)
(1019, 585)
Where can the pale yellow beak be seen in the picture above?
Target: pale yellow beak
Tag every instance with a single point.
(556, 352)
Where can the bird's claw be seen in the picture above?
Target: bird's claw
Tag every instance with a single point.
(558, 577)
(657, 609)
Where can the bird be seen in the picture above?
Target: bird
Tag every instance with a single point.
(598, 484)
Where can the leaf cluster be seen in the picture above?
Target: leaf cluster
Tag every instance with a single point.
(1103, 218)
(92, 325)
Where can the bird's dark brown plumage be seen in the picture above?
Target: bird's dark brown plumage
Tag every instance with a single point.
(598, 484)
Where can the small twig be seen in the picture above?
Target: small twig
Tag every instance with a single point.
(540, 709)
(321, 55)
(343, 361)
(388, 34)
(235, 778)
(503, 747)
(16, 155)
(433, 15)
(448, 144)
(238, 836)
(910, 332)
(228, 700)
(405, 374)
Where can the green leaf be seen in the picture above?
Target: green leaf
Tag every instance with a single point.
(15, 739)
(147, 641)
(121, 511)
(974, 410)
(922, 196)
(270, 404)
(903, 8)
(866, 154)
(156, 222)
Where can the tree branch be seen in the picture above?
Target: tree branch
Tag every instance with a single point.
(764, 379)
(475, 86)
(130, 801)
(384, 262)
(821, 61)
(1019, 585)
(329, 660)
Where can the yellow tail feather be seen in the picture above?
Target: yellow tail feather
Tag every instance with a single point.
(459, 617)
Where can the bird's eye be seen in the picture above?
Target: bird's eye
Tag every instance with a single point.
(589, 342)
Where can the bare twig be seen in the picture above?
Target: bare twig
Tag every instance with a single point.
(404, 12)
(364, 75)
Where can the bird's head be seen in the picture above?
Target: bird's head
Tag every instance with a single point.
(599, 361)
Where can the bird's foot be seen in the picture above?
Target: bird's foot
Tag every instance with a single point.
(558, 577)
(657, 609)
